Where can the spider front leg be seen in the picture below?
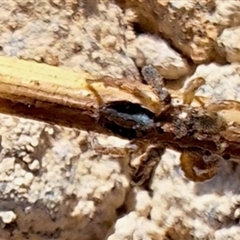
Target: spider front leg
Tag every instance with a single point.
(144, 165)
(190, 90)
(198, 166)
(152, 78)
(111, 145)
(144, 157)
(122, 84)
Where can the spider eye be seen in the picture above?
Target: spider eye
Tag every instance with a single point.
(226, 156)
(207, 153)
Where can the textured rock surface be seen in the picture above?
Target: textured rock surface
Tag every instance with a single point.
(193, 27)
(53, 184)
(49, 172)
(92, 37)
(169, 63)
(228, 42)
(222, 82)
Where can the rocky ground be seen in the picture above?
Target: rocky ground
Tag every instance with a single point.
(53, 184)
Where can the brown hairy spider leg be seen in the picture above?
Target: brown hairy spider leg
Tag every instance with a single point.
(142, 173)
(198, 168)
(191, 88)
(152, 78)
(123, 85)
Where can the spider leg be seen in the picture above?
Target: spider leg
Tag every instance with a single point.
(144, 166)
(106, 148)
(191, 88)
(152, 78)
(122, 84)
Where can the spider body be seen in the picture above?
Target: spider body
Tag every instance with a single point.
(182, 127)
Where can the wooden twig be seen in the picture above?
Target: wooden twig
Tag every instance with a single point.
(117, 107)
(59, 96)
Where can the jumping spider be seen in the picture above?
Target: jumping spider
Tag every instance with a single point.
(134, 121)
